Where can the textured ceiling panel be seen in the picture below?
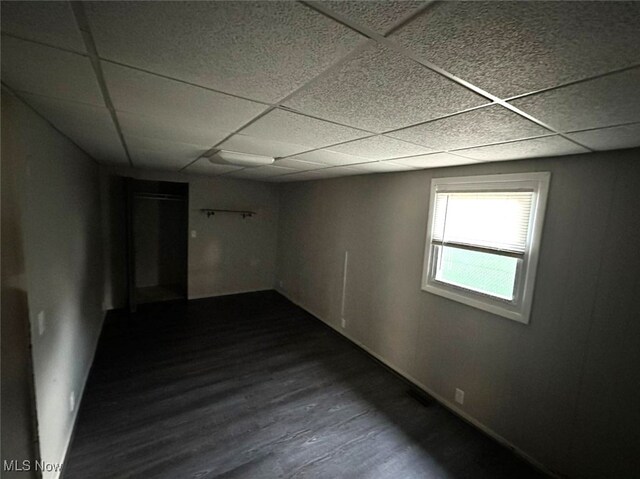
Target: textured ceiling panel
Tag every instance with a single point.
(319, 174)
(171, 102)
(382, 167)
(379, 148)
(165, 155)
(261, 172)
(50, 22)
(88, 126)
(512, 48)
(478, 127)
(34, 68)
(376, 15)
(538, 147)
(299, 164)
(436, 160)
(606, 101)
(204, 167)
(284, 126)
(331, 158)
(260, 146)
(380, 90)
(625, 136)
(260, 50)
(195, 133)
(339, 171)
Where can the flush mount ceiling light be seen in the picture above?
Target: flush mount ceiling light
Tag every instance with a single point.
(222, 157)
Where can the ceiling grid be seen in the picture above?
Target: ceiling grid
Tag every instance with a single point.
(340, 87)
(83, 26)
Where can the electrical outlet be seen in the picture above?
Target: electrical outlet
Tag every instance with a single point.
(459, 396)
(343, 322)
(281, 283)
(41, 323)
(194, 233)
(72, 401)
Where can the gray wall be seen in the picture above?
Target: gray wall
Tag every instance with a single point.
(17, 406)
(228, 255)
(564, 389)
(62, 241)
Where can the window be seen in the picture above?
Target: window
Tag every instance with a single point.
(483, 238)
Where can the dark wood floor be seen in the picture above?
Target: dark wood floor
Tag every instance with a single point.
(251, 386)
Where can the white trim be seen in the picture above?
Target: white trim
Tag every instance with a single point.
(520, 309)
(76, 411)
(440, 399)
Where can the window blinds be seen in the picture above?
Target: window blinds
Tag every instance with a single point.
(496, 220)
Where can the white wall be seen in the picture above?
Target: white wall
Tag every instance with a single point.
(62, 241)
(228, 255)
(18, 434)
(564, 389)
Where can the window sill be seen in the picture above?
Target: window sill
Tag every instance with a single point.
(476, 301)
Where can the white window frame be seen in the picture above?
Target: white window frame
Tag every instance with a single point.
(519, 309)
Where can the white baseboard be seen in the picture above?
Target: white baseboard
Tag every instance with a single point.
(65, 452)
(444, 402)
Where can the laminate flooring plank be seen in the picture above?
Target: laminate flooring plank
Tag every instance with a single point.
(252, 386)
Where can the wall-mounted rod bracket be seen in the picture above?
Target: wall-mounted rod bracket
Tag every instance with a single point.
(244, 213)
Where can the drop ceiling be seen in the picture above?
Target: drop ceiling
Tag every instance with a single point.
(331, 88)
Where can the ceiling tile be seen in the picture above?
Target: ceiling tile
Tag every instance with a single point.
(383, 167)
(204, 167)
(332, 158)
(511, 48)
(49, 22)
(434, 161)
(261, 172)
(299, 164)
(320, 174)
(379, 148)
(491, 124)
(42, 70)
(615, 137)
(376, 15)
(260, 146)
(339, 171)
(380, 90)
(605, 101)
(301, 176)
(196, 114)
(287, 127)
(229, 46)
(169, 130)
(163, 155)
(516, 150)
(90, 127)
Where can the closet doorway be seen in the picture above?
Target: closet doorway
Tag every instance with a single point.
(158, 222)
